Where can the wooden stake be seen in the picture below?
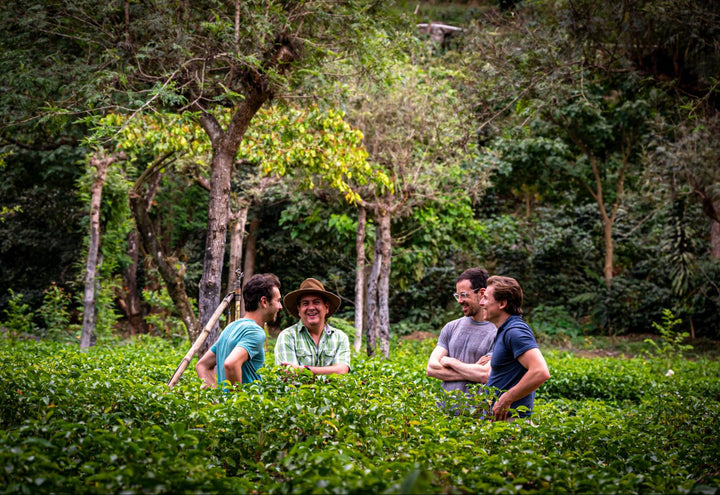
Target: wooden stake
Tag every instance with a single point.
(200, 340)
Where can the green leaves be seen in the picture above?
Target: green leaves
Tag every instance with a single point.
(104, 421)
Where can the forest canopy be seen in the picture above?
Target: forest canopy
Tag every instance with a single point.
(573, 145)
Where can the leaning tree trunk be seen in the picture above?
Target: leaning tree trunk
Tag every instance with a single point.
(383, 293)
(89, 336)
(167, 266)
(360, 277)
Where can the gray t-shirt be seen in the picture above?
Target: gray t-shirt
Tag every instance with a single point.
(467, 340)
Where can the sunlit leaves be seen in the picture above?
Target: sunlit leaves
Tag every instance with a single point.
(310, 143)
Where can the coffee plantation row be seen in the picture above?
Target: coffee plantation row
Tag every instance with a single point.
(105, 421)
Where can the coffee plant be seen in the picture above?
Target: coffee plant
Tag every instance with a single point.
(104, 421)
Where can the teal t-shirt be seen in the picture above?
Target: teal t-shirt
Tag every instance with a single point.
(241, 333)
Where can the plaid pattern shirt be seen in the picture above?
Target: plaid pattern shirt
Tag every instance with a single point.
(295, 345)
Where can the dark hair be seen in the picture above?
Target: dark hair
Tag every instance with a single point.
(258, 286)
(477, 276)
(507, 289)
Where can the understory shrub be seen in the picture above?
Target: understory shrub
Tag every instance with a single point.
(104, 421)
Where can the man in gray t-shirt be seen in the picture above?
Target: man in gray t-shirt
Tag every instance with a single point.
(462, 354)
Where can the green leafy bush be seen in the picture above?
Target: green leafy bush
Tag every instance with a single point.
(104, 421)
(554, 322)
(19, 317)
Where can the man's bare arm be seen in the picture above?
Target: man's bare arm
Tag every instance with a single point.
(233, 365)
(338, 369)
(537, 374)
(473, 372)
(435, 369)
(205, 368)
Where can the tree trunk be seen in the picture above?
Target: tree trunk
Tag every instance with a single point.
(715, 237)
(608, 267)
(171, 272)
(251, 249)
(225, 146)
(371, 330)
(360, 277)
(89, 336)
(378, 322)
(606, 219)
(218, 209)
(384, 284)
(237, 234)
(129, 300)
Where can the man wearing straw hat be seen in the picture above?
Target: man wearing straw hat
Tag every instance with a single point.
(311, 343)
(239, 352)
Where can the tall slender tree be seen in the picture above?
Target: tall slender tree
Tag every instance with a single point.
(414, 132)
(173, 54)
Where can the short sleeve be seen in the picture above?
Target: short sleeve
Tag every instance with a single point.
(521, 341)
(444, 339)
(343, 353)
(253, 343)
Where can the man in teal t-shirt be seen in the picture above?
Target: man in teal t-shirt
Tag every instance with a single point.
(239, 353)
(248, 335)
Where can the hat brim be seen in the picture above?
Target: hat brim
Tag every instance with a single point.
(291, 298)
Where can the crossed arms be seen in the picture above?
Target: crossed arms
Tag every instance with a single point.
(448, 369)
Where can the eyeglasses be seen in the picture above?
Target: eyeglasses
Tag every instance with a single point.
(465, 295)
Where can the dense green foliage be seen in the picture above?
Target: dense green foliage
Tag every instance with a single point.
(104, 421)
(583, 115)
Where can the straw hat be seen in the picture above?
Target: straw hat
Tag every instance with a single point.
(310, 286)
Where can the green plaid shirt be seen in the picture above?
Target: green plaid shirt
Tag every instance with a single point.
(295, 345)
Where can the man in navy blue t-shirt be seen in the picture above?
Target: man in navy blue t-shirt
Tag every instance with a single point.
(518, 367)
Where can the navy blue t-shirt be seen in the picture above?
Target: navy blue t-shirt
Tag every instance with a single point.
(514, 338)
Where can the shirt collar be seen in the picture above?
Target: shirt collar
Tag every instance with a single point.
(328, 329)
(507, 322)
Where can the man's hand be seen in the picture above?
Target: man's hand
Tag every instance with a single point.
(448, 361)
(501, 407)
(537, 373)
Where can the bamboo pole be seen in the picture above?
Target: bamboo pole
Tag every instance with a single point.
(236, 313)
(200, 340)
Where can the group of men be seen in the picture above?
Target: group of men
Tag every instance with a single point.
(311, 343)
(490, 344)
